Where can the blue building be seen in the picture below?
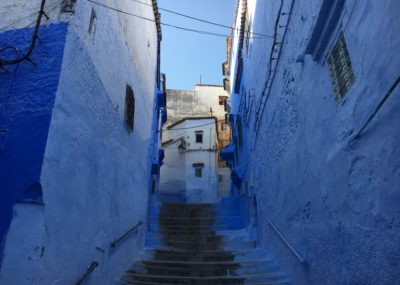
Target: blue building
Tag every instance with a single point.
(82, 102)
(314, 93)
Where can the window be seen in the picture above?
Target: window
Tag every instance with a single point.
(222, 126)
(199, 136)
(239, 131)
(340, 68)
(198, 169)
(92, 23)
(129, 117)
(221, 100)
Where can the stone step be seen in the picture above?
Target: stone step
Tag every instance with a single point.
(194, 228)
(206, 280)
(164, 254)
(194, 246)
(201, 269)
(276, 282)
(205, 221)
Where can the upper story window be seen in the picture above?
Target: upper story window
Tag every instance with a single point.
(222, 126)
(129, 116)
(221, 100)
(340, 69)
(92, 24)
(199, 136)
(239, 131)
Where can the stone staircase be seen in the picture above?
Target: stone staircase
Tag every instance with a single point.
(202, 244)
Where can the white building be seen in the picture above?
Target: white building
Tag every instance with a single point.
(190, 164)
(78, 150)
(203, 101)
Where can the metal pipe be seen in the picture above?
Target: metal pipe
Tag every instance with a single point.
(118, 240)
(383, 100)
(294, 251)
(88, 271)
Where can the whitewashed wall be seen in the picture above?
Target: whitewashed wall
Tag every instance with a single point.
(95, 174)
(336, 200)
(178, 173)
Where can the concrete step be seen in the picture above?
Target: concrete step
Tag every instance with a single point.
(202, 269)
(222, 255)
(195, 246)
(204, 221)
(156, 227)
(206, 280)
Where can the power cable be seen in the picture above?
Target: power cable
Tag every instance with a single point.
(166, 24)
(195, 18)
(53, 6)
(26, 56)
(194, 126)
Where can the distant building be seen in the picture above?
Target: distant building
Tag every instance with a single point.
(315, 134)
(205, 100)
(190, 165)
(81, 108)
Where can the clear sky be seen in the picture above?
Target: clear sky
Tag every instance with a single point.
(186, 55)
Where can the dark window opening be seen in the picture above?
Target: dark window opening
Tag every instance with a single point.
(198, 169)
(221, 100)
(199, 136)
(239, 131)
(223, 126)
(198, 172)
(129, 117)
(92, 23)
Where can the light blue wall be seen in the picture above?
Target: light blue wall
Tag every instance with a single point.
(27, 94)
(336, 199)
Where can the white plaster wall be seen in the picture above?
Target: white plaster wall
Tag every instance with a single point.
(337, 202)
(196, 103)
(178, 173)
(201, 189)
(18, 14)
(209, 96)
(95, 174)
(187, 130)
(172, 172)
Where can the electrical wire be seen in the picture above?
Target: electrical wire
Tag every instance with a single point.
(33, 41)
(166, 24)
(195, 18)
(194, 126)
(53, 6)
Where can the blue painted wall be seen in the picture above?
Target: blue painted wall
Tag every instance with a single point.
(27, 94)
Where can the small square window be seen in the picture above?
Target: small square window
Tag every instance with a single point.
(198, 172)
(340, 68)
(199, 136)
(198, 169)
(221, 100)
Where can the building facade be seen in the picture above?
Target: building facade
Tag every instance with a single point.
(314, 94)
(205, 100)
(190, 164)
(81, 100)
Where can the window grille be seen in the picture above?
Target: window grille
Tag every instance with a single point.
(340, 69)
(198, 169)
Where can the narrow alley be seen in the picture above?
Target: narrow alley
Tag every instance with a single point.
(199, 142)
